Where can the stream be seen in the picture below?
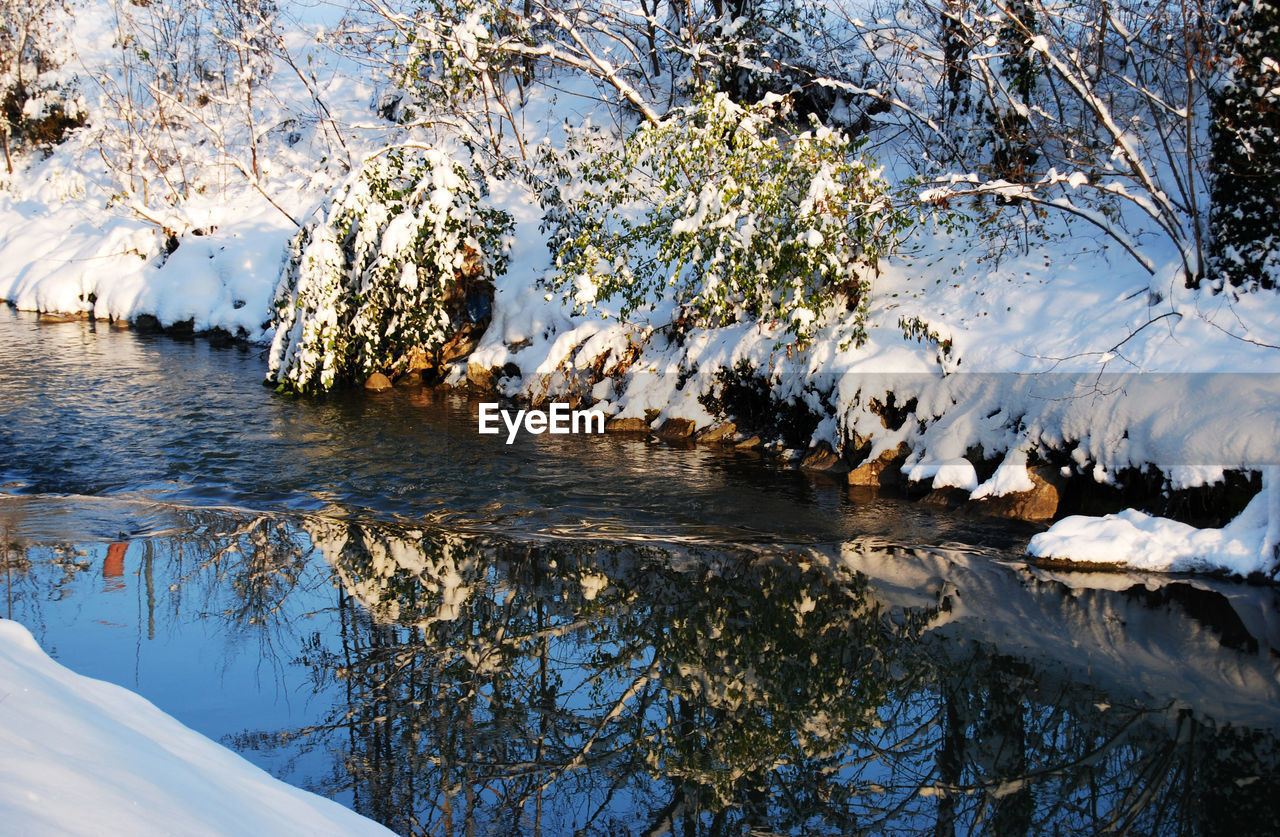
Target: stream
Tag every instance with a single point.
(595, 634)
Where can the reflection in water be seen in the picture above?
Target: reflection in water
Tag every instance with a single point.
(454, 683)
(507, 688)
(553, 686)
(113, 566)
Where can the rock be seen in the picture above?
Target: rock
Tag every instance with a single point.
(182, 328)
(417, 360)
(51, 317)
(822, 458)
(719, 434)
(750, 443)
(377, 382)
(883, 471)
(602, 390)
(677, 429)
(627, 425)
(1040, 503)
(479, 377)
(219, 337)
(409, 379)
(650, 415)
(461, 345)
(948, 473)
(147, 324)
(949, 497)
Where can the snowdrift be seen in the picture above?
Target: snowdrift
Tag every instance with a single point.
(82, 756)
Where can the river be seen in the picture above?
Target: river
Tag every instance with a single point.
(599, 635)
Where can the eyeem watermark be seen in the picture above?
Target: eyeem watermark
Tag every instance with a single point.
(558, 421)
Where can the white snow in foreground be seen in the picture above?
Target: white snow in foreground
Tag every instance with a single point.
(1245, 545)
(81, 756)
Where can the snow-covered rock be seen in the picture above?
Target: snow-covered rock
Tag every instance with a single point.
(1248, 544)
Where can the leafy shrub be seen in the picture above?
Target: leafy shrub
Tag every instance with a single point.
(385, 272)
(449, 53)
(734, 214)
(1244, 221)
(452, 64)
(39, 105)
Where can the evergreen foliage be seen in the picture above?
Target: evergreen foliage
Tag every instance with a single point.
(1245, 215)
(725, 209)
(386, 270)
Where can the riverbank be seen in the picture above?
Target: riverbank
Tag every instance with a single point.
(1054, 489)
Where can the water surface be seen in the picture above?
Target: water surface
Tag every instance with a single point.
(599, 635)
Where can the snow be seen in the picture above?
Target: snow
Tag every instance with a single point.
(86, 757)
(1248, 544)
(950, 473)
(1010, 477)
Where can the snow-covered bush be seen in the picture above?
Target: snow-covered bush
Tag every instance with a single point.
(750, 48)
(38, 104)
(188, 97)
(725, 209)
(1245, 136)
(438, 58)
(450, 52)
(385, 272)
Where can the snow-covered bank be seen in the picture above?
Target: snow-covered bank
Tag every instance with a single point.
(1245, 546)
(112, 265)
(86, 757)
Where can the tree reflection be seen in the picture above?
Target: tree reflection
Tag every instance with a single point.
(481, 685)
(566, 686)
(494, 687)
(24, 590)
